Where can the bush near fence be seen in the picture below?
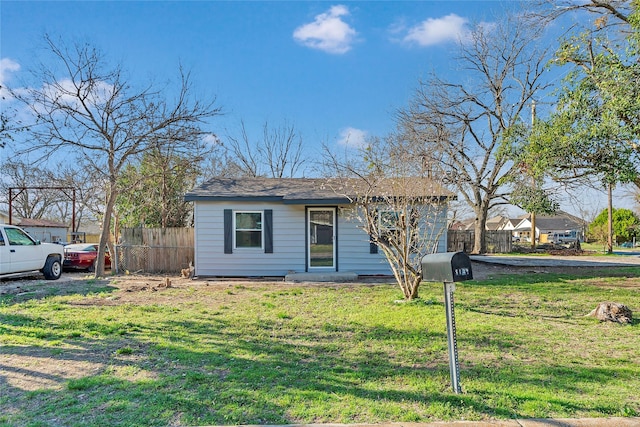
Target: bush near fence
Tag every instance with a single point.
(498, 241)
(155, 250)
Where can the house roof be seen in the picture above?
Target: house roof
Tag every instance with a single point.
(29, 222)
(312, 190)
(562, 221)
(513, 221)
(496, 222)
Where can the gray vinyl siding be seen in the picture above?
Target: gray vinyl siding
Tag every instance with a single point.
(354, 254)
(353, 250)
(437, 222)
(288, 242)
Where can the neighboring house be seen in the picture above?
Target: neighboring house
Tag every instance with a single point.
(4, 217)
(510, 225)
(273, 227)
(458, 225)
(44, 229)
(547, 226)
(496, 223)
(492, 224)
(88, 232)
(463, 225)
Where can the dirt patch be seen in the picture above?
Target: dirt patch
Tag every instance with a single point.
(36, 287)
(83, 283)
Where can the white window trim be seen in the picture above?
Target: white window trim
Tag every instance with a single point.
(235, 230)
(383, 228)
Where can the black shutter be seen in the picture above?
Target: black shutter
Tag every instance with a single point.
(268, 231)
(228, 231)
(373, 248)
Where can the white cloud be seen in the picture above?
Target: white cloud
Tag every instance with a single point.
(64, 92)
(7, 66)
(328, 32)
(211, 139)
(435, 31)
(352, 137)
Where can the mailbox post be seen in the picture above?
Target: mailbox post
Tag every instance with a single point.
(449, 267)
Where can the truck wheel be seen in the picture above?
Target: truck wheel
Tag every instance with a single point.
(52, 269)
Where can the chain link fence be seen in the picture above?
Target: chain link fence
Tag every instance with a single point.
(153, 259)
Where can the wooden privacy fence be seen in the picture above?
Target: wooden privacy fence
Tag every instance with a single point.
(155, 250)
(462, 240)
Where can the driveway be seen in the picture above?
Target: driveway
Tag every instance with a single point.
(629, 259)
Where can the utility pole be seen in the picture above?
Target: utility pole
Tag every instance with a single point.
(609, 218)
(20, 190)
(533, 214)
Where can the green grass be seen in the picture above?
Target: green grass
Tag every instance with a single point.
(258, 354)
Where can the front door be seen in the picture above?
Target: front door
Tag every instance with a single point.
(321, 251)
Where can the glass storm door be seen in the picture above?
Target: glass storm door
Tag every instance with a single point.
(321, 251)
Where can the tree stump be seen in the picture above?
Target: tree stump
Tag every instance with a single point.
(612, 312)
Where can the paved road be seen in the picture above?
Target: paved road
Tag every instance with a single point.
(630, 260)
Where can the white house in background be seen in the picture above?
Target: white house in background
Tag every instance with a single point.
(547, 226)
(510, 224)
(4, 217)
(44, 229)
(496, 223)
(274, 227)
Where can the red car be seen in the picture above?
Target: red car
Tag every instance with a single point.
(82, 256)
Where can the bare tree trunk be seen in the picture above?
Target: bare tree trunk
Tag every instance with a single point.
(105, 234)
(415, 285)
(480, 227)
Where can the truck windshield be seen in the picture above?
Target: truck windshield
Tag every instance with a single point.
(18, 237)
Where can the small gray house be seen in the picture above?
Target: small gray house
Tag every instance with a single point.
(274, 227)
(44, 230)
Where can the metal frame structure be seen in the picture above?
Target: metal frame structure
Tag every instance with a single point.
(63, 189)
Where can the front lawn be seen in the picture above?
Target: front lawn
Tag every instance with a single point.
(115, 353)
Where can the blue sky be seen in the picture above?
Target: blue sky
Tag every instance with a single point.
(329, 68)
(337, 71)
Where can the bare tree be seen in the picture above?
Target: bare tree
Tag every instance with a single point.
(277, 155)
(51, 192)
(10, 124)
(398, 204)
(88, 109)
(464, 127)
(607, 13)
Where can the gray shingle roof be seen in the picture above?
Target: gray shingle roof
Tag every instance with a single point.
(30, 222)
(310, 190)
(561, 221)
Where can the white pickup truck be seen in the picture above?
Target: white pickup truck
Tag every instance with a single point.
(20, 253)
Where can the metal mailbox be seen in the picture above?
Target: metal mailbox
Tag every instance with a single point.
(449, 267)
(446, 267)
